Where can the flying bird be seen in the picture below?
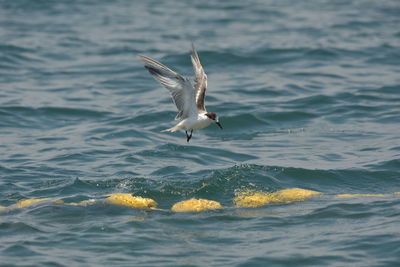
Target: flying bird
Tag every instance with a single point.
(188, 99)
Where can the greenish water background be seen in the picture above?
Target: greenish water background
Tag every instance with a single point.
(308, 93)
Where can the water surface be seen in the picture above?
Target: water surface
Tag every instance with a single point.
(307, 92)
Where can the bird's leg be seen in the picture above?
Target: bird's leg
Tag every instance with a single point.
(189, 136)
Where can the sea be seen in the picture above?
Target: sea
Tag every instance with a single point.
(307, 92)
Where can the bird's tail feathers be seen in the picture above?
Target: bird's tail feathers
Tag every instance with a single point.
(173, 129)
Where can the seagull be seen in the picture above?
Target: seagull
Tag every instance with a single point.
(188, 99)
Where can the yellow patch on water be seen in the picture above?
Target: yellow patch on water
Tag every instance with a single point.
(83, 203)
(194, 204)
(254, 199)
(128, 200)
(362, 195)
(295, 194)
(28, 202)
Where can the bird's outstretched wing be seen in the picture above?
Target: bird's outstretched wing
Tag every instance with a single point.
(200, 86)
(181, 89)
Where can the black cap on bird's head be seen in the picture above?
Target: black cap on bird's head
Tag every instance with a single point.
(213, 116)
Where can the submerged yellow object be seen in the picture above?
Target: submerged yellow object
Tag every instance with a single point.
(295, 194)
(126, 199)
(28, 202)
(83, 203)
(254, 199)
(194, 204)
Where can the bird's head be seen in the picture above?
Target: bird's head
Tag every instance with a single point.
(213, 116)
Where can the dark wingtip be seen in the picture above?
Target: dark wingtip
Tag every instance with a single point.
(152, 70)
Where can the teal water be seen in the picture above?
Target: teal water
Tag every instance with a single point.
(308, 93)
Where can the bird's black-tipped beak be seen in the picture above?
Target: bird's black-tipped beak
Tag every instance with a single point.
(219, 124)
